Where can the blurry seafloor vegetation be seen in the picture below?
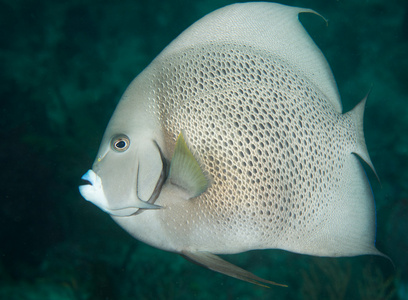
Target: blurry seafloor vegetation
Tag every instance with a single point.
(63, 68)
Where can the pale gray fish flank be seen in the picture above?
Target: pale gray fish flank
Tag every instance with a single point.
(233, 139)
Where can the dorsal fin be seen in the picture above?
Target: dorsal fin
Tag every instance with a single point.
(269, 27)
(185, 171)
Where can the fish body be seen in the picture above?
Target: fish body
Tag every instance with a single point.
(234, 139)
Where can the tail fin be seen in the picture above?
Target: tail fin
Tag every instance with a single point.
(350, 223)
(357, 115)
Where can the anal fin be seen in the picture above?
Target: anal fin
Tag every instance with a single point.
(217, 264)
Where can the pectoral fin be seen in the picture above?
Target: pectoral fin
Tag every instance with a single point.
(185, 171)
(217, 264)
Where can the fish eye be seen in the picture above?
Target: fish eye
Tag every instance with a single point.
(120, 143)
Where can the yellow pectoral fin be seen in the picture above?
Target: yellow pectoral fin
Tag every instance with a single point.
(185, 171)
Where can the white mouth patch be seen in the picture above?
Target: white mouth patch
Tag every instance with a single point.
(93, 192)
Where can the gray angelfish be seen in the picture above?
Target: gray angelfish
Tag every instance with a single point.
(233, 139)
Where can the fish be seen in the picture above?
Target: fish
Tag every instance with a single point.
(233, 139)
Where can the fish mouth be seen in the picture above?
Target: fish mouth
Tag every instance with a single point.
(86, 182)
(90, 178)
(92, 191)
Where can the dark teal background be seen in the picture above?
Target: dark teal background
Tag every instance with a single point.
(64, 66)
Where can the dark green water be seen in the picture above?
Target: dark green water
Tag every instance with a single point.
(64, 66)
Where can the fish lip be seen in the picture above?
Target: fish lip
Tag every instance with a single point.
(91, 179)
(93, 192)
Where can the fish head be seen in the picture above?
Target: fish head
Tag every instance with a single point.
(130, 169)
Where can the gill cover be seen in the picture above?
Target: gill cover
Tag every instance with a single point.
(111, 191)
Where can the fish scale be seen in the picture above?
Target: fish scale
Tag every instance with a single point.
(234, 139)
(246, 145)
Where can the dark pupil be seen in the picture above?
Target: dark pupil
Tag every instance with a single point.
(120, 144)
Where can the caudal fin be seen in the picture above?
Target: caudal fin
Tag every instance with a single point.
(357, 115)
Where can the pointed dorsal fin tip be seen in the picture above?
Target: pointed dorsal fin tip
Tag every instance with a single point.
(311, 11)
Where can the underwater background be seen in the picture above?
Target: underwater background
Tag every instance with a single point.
(64, 66)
